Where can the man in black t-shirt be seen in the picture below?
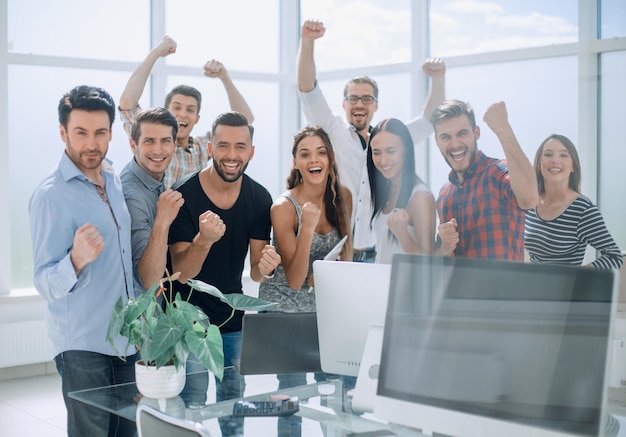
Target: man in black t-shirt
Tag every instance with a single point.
(225, 212)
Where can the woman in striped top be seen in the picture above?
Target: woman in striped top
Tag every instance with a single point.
(564, 222)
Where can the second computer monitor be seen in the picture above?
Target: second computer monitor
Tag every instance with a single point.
(350, 297)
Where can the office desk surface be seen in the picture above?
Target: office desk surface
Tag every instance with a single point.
(321, 414)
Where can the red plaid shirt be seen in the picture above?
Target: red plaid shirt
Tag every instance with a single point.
(490, 223)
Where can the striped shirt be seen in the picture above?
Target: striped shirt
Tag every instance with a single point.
(490, 223)
(565, 239)
(186, 159)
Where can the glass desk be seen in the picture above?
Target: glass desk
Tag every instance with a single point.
(322, 415)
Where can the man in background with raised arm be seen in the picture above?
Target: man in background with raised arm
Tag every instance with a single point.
(350, 135)
(184, 102)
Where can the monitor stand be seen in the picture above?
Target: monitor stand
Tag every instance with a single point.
(364, 396)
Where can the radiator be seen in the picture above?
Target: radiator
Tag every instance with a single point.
(24, 343)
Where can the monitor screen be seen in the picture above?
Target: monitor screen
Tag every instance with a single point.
(490, 348)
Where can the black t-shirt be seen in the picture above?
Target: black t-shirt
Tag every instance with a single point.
(249, 218)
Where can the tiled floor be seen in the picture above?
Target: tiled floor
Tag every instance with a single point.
(32, 407)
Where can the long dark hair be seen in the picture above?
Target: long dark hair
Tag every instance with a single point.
(380, 185)
(335, 206)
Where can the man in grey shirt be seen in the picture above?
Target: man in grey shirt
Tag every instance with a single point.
(152, 208)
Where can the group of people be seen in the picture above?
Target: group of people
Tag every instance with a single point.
(490, 208)
(185, 204)
(98, 236)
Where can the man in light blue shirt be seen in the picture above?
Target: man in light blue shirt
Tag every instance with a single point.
(152, 208)
(80, 230)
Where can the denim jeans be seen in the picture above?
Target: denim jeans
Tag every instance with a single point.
(364, 256)
(291, 426)
(232, 385)
(80, 370)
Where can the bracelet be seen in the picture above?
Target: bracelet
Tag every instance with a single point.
(270, 276)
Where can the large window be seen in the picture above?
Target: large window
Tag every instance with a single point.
(479, 26)
(611, 143)
(361, 33)
(612, 18)
(35, 145)
(114, 30)
(242, 34)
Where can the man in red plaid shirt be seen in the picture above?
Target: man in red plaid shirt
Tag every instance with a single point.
(481, 208)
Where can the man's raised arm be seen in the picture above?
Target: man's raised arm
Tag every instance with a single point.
(311, 30)
(521, 171)
(215, 68)
(435, 68)
(137, 82)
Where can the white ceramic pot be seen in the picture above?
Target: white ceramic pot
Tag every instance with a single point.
(162, 383)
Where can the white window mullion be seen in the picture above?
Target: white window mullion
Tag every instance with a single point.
(588, 95)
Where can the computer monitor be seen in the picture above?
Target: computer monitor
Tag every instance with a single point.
(349, 297)
(475, 347)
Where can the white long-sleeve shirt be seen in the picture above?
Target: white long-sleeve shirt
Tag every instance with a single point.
(352, 158)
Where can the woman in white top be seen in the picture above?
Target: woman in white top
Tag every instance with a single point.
(404, 211)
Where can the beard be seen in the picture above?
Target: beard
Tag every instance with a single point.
(454, 166)
(229, 178)
(361, 125)
(92, 163)
(81, 161)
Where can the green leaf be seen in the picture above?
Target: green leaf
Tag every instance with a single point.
(185, 314)
(135, 332)
(208, 349)
(164, 337)
(234, 300)
(247, 303)
(116, 323)
(181, 353)
(136, 307)
(177, 317)
(200, 328)
(166, 358)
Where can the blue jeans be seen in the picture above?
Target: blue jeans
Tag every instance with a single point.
(367, 255)
(291, 426)
(232, 385)
(80, 370)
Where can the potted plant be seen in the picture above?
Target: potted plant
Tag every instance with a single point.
(166, 329)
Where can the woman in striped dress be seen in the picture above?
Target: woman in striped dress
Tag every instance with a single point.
(564, 222)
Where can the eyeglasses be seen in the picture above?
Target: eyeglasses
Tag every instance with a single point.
(367, 100)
